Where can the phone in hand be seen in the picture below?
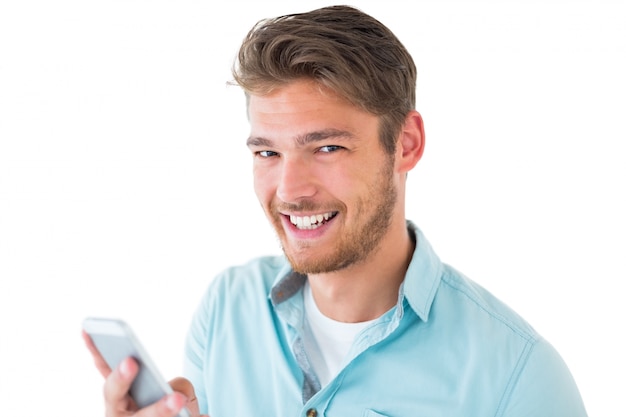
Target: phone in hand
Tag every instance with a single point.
(116, 341)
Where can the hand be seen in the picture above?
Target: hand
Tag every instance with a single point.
(117, 383)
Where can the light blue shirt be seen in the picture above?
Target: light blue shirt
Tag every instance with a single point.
(448, 348)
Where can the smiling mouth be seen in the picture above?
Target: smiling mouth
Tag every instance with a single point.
(311, 222)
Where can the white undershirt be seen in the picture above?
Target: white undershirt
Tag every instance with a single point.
(326, 341)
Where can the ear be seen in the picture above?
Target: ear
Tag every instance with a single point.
(411, 142)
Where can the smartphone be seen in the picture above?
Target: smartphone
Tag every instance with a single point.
(116, 341)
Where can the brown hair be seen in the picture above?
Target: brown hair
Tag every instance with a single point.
(341, 48)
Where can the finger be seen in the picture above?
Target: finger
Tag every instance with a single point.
(101, 364)
(117, 384)
(185, 387)
(168, 406)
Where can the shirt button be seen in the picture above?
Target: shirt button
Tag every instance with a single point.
(311, 412)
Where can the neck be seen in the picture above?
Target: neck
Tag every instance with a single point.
(366, 290)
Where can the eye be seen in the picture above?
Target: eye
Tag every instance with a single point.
(330, 148)
(266, 154)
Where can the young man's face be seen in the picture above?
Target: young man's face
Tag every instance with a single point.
(321, 175)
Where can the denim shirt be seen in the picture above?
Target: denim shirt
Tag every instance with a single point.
(448, 348)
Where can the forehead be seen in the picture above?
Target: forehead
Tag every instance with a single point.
(294, 97)
(302, 106)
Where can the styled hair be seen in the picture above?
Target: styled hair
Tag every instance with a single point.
(341, 48)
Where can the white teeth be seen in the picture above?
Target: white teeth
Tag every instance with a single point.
(310, 222)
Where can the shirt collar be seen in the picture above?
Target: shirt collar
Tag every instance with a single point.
(423, 275)
(419, 286)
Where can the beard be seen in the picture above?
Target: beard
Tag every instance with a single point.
(373, 216)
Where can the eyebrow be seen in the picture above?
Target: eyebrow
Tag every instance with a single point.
(305, 139)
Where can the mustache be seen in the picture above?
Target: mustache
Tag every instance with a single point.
(300, 206)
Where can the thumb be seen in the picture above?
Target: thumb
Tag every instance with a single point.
(185, 387)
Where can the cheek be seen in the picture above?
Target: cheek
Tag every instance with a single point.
(347, 180)
(262, 184)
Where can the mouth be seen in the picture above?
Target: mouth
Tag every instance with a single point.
(313, 221)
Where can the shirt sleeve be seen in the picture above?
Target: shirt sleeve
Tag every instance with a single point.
(544, 387)
(195, 354)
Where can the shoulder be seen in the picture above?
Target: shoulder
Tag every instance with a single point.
(245, 282)
(536, 379)
(262, 271)
(472, 300)
(236, 291)
(258, 274)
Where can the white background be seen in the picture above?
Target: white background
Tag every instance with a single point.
(125, 184)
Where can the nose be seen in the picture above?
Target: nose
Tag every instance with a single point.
(296, 180)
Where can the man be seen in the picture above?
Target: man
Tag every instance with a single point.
(360, 317)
